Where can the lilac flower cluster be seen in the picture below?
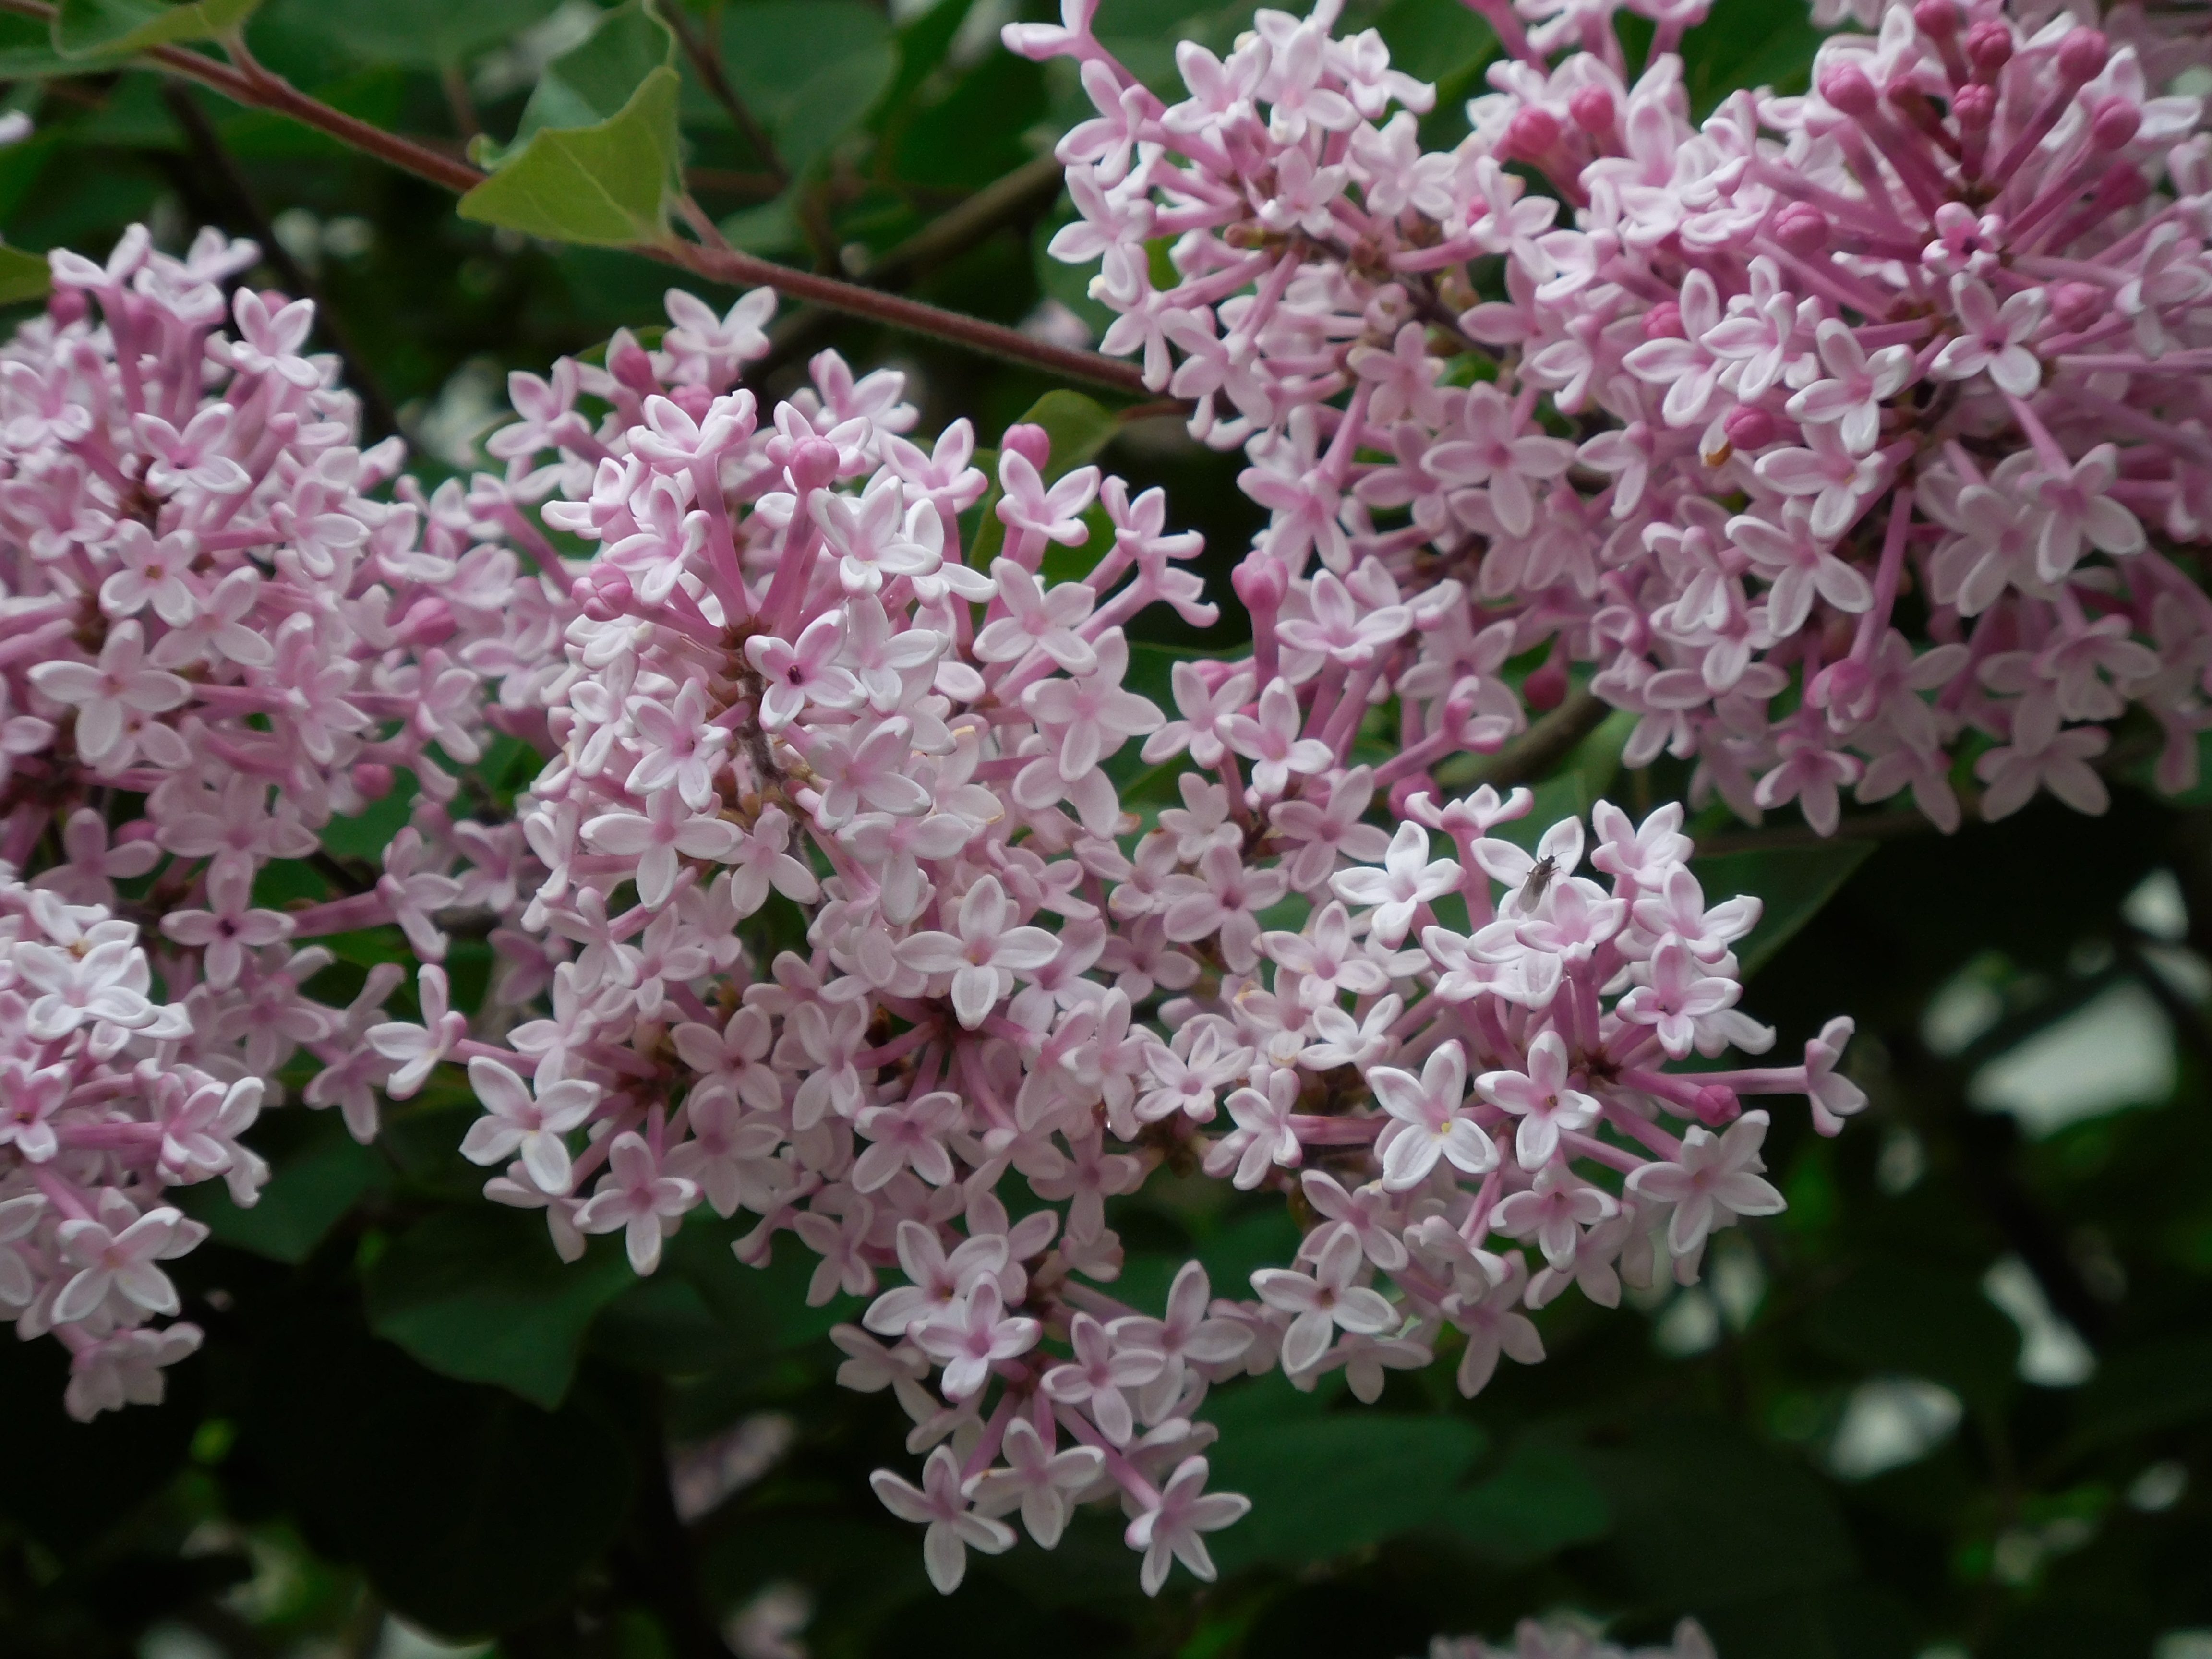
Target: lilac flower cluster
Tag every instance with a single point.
(794, 679)
(213, 642)
(1853, 437)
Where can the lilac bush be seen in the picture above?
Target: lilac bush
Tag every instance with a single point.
(1850, 439)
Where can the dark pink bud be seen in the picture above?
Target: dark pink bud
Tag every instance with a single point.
(1546, 685)
(1032, 443)
(2082, 55)
(1989, 46)
(1663, 321)
(693, 400)
(1749, 429)
(813, 465)
(1848, 89)
(2122, 187)
(1261, 582)
(1975, 107)
(1803, 228)
(604, 594)
(2077, 305)
(371, 782)
(1938, 19)
(143, 829)
(1718, 1104)
(1531, 133)
(627, 362)
(1593, 111)
(2115, 123)
(68, 305)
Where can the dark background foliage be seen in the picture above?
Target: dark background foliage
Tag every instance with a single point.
(407, 1407)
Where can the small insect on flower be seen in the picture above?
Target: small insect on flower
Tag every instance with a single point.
(1539, 883)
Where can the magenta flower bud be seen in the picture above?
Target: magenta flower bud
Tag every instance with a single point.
(1546, 688)
(67, 306)
(630, 363)
(371, 781)
(1803, 228)
(1032, 443)
(2082, 55)
(2115, 123)
(603, 595)
(1975, 107)
(2077, 305)
(1663, 321)
(1937, 19)
(1718, 1104)
(1592, 111)
(1531, 134)
(1989, 48)
(143, 829)
(813, 465)
(693, 400)
(1261, 582)
(1848, 89)
(1749, 428)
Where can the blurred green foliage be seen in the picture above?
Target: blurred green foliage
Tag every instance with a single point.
(407, 1404)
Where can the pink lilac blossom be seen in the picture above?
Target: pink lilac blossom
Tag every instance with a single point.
(214, 638)
(1857, 442)
(788, 683)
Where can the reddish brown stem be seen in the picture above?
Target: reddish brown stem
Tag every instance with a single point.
(246, 82)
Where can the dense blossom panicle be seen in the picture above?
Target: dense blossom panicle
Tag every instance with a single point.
(831, 913)
(218, 632)
(1857, 440)
(825, 907)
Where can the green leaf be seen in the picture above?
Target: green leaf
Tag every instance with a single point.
(471, 1510)
(1910, 1320)
(1748, 43)
(1679, 1483)
(1323, 1482)
(84, 27)
(1793, 882)
(480, 1294)
(23, 276)
(427, 34)
(1539, 1502)
(592, 82)
(2143, 1390)
(604, 185)
(809, 71)
(310, 1191)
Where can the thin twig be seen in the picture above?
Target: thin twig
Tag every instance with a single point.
(1028, 190)
(1544, 745)
(216, 161)
(246, 82)
(709, 61)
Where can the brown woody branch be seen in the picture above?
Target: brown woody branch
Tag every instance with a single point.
(246, 82)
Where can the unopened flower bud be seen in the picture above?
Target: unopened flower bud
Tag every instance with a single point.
(2082, 55)
(2077, 305)
(1989, 48)
(1975, 107)
(1803, 228)
(1531, 133)
(371, 782)
(1848, 89)
(1750, 428)
(1592, 111)
(1937, 19)
(1032, 443)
